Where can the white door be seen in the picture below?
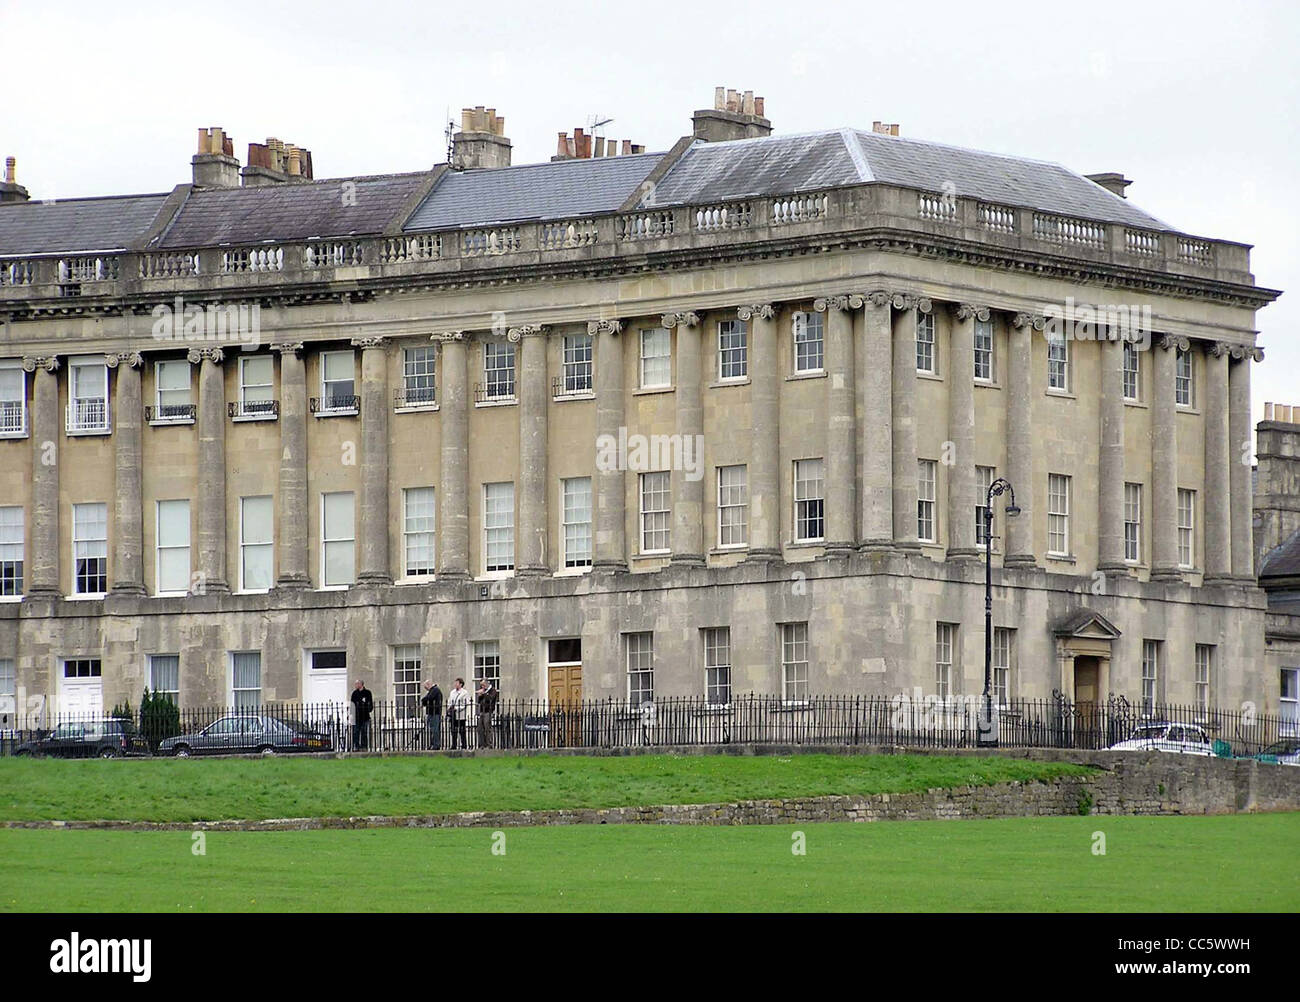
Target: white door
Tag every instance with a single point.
(81, 698)
(325, 692)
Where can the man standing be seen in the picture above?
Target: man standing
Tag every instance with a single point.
(457, 708)
(363, 704)
(486, 697)
(432, 702)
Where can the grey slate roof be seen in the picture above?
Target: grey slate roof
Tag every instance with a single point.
(778, 165)
(214, 216)
(558, 190)
(78, 224)
(1283, 561)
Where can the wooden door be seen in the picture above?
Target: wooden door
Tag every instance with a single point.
(564, 689)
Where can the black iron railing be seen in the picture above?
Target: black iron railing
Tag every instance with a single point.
(414, 396)
(253, 408)
(343, 403)
(179, 413)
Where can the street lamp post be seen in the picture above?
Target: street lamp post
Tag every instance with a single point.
(986, 730)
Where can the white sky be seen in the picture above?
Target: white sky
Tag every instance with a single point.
(1196, 102)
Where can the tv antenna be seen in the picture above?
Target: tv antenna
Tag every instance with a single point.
(449, 132)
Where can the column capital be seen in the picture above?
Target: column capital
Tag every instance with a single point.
(685, 319)
(294, 348)
(1034, 321)
(611, 327)
(1246, 353)
(213, 355)
(762, 311)
(911, 301)
(50, 363)
(1218, 348)
(1168, 341)
(369, 342)
(966, 311)
(133, 359)
(849, 301)
(444, 337)
(517, 334)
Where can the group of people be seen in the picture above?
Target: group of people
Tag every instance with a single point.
(457, 706)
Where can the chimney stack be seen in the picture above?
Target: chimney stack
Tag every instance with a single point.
(1112, 181)
(885, 128)
(10, 189)
(585, 146)
(276, 162)
(734, 115)
(481, 142)
(215, 165)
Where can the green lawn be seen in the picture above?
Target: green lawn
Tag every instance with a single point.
(1233, 863)
(256, 789)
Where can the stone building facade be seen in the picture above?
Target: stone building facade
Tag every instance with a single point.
(714, 420)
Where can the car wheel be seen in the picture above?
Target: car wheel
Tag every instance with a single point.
(266, 751)
(181, 751)
(108, 753)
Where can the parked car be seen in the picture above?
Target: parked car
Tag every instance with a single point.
(110, 738)
(1184, 739)
(244, 734)
(1284, 752)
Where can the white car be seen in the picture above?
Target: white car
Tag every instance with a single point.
(1284, 752)
(1185, 739)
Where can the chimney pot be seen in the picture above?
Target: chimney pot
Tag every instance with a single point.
(758, 107)
(10, 164)
(627, 147)
(719, 99)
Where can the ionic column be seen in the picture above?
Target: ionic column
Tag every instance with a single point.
(906, 309)
(875, 434)
(453, 505)
(44, 559)
(1019, 531)
(531, 535)
(688, 494)
(1164, 461)
(1110, 460)
(128, 510)
(764, 433)
(1218, 460)
(291, 507)
(1240, 448)
(374, 568)
(962, 487)
(841, 458)
(610, 552)
(212, 469)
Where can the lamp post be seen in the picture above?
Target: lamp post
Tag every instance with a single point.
(986, 731)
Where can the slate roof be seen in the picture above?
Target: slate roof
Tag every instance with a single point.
(214, 216)
(1283, 561)
(557, 190)
(78, 224)
(775, 165)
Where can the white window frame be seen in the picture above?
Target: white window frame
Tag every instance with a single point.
(419, 364)
(13, 403)
(163, 548)
(1204, 677)
(88, 413)
(13, 553)
(984, 477)
(945, 647)
(576, 371)
(808, 332)
(161, 398)
(328, 406)
(485, 662)
(982, 338)
(151, 668)
(87, 544)
(1058, 363)
(1132, 372)
(656, 523)
(257, 413)
(927, 486)
(1186, 528)
(419, 533)
(1150, 675)
(499, 367)
(406, 662)
(650, 363)
(1058, 514)
(1132, 523)
(576, 532)
(498, 518)
(927, 350)
(238, 694)
(248, 547)
(639, 655)
(733, 351)
(809, 503)
(329, 542)
(796, 647)
(733, 507)
(1288, 701)
(1184, 381)
(1004, 646)
(717, 665)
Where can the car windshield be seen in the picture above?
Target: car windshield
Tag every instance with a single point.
(1151, 732)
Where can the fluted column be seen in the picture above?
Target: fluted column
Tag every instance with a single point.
(128, 510)
(375, 567)
(610, 488)
(212, 470)
(531, 537)
(1110, 460)
(963, 492)
(291, 509)
(875, 434)
(1164, 461)
(1020, 438)
(906, 309)
(688, 493)
(841, 405)
(453, 507)
(1218, 460)
(1240, 447)
(764, 433)
(43, 579)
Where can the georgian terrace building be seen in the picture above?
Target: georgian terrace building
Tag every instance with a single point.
(624, 425)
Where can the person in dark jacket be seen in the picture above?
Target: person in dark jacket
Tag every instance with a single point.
(432, 702)
(486, 697)
(363, 704)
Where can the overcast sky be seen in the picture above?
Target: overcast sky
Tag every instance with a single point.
(1196, 102)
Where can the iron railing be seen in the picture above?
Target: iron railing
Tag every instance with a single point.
(922, 722)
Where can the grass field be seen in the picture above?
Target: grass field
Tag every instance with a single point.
(1233, 863)
(216, 789)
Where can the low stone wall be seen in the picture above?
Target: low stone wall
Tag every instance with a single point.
(1145, 783)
